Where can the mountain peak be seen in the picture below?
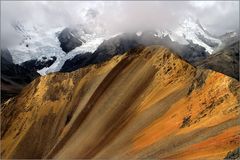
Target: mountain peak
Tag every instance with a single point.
(193, 31)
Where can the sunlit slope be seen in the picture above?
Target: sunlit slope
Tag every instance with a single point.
(148, 103)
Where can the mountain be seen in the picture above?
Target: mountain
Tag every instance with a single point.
(227, 40)
(69, 39)
(13, 77)
(38, 64)
(225, 61)
(65, 43)
(122, 43)
(37, 44)
(229, 36)
(193, 31)
(78, 61)
(148, 103)
(190, 40)
(126, 41)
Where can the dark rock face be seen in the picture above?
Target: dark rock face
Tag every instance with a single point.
(225, 61)
(13, 77)
(69, 39)
(233, 155)
(78, 61)
(192, 52)
(34, 64)
(124, 42)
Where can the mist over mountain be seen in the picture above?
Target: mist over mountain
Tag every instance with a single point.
(120, 16)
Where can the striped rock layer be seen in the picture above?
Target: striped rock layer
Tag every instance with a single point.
(145, 104)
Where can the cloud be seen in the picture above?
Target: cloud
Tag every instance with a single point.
(217, 16)
(203, 4)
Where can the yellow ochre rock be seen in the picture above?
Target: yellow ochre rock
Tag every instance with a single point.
(145, 104)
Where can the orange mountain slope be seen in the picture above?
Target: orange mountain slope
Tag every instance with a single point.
(145, 104)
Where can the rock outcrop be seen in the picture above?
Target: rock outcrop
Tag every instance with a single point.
(69, 39)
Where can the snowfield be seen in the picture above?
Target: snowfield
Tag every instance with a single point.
(37, 43)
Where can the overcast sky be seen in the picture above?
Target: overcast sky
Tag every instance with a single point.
(218, 17)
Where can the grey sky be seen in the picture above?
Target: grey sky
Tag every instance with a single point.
(217, 16)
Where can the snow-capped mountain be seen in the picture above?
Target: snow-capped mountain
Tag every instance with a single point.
(37, 43)
(41, 45)
(192, 31)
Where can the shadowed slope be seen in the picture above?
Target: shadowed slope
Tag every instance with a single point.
(13, 76)
(225, 61)
(148, 103)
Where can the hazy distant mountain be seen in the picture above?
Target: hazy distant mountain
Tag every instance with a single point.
(225, 61)
(35, 43)
(13, 77)
(124, 42)
(38, 43)
(62, 43)
(193, 31)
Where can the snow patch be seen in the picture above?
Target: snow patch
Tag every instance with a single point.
(139, 33)
(189, 29)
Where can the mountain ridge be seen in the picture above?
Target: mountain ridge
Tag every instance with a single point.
(148, 103)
